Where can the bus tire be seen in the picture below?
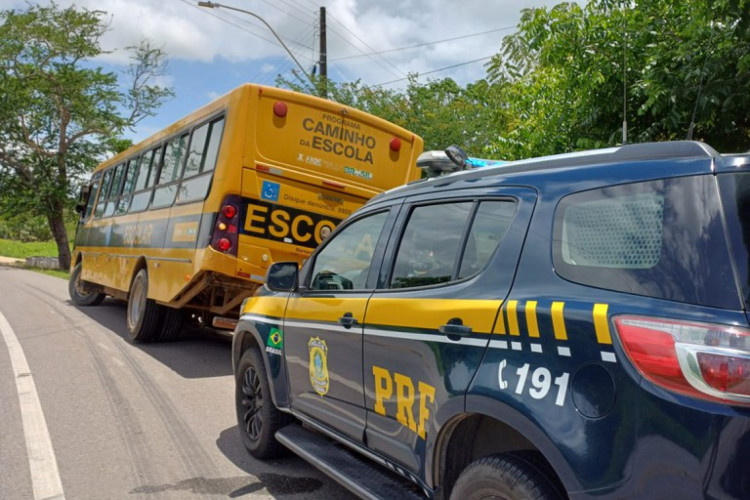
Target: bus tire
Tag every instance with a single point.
(511, 476)
(78, 295)
(171, 328)
(144, 315)
(257, 417)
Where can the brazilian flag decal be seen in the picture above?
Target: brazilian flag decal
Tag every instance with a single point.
(275, 341)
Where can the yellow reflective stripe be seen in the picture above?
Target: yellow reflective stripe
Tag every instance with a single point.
(267, 306)
(531, 322)
(513, 317)
(601, 324)
(432, 313)
(558, 321)
(500, 323)
(328, 309)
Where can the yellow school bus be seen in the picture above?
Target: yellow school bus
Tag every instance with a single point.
(185, 223)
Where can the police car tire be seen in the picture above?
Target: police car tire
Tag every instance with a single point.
(511, 476)
(82, 298)
(144, 315)
(258, 433)
(172, 325)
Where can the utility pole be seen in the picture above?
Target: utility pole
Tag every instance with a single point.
(323, 56)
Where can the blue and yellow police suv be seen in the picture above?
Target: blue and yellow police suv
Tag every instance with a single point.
(572, 326)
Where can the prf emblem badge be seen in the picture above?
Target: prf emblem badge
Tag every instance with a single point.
(318, 365)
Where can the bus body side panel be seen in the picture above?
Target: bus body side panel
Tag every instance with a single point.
(227, 181)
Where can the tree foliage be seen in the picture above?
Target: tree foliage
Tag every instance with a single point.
(59, 113)
(571, 74)
(440, 111)
(668, 67)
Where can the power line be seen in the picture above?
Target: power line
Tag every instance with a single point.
(436, 70)
(226, 20)
(363, 43)
(426, 43)
(273, 4)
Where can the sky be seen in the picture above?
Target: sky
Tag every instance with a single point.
(378, 42)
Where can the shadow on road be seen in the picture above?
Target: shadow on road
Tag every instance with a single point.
(197, 353)
(273, 475)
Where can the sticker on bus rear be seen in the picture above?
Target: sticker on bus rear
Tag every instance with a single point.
(270, 191)
(285, 224)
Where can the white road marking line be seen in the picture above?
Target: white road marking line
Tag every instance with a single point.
(45, 476)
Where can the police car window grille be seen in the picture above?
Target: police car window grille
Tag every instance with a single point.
(623, 232)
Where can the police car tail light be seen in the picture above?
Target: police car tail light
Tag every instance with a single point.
(224, 237)
(703, 360)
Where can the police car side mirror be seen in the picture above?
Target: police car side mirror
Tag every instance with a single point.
(282, 276)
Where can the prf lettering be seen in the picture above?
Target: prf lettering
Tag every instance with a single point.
(275, 223)
(400, 388)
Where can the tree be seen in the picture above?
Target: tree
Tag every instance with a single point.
(440, 111)
(59, 115)
(673, 69)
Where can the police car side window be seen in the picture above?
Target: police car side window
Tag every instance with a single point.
(430, 244)
(449, 241)
(490, 223)
(344, 263)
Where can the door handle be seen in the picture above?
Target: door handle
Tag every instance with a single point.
(348, 320)
(455, 329)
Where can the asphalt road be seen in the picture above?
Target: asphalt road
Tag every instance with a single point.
(93, 416)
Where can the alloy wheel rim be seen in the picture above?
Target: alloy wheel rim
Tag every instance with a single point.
(252, 403)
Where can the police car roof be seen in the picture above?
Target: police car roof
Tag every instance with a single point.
(651, 151)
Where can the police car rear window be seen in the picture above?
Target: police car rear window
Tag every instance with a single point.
(660, 238)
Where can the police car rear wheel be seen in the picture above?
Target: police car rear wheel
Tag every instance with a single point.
(78, 294)
(510, 476)
(257, 417)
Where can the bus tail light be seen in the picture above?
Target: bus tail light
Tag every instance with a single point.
(225, 234)
(703, 360)
(395, 144)
(280, 109)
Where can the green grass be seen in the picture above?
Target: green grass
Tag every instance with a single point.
(21, 250)
(52, 272)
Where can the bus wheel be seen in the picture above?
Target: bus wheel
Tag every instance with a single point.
(78, 294)
(257, 417)
(172, 326)
(144, 314)
(509, 476)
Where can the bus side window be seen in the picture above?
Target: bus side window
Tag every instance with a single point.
(204, 147)
(142, 189)
(114, 191)
(166, 189)
(103, 192)
(127, 187)
(195, 152)
(93, 191)
(212, 151)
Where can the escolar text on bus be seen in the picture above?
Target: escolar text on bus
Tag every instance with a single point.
(336, 138)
